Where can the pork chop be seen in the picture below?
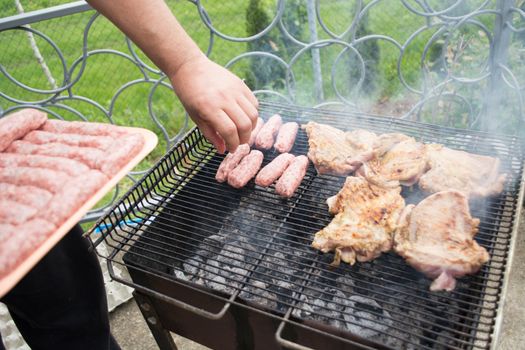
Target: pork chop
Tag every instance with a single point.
(330, 148)
(436, 238)
(402, 163)
(365, 219)
(475, 175)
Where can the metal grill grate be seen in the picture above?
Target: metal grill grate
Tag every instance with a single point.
(251, 248)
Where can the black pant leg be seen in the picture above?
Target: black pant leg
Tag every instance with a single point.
(61, 303)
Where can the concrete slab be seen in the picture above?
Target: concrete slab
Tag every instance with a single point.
(132, 333)
(513, 327)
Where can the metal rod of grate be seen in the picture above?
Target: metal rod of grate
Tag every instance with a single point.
(179, 224)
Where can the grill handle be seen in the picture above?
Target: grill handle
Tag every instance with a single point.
(287, 344)
(196, 310)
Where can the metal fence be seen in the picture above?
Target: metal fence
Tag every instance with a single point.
(455, 62)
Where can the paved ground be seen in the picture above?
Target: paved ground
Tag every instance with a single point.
(132, 333)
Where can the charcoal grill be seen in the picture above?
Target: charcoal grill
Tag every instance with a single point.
(233, 269)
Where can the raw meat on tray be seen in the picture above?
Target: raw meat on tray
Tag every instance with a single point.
(48, 170)
(16, 125)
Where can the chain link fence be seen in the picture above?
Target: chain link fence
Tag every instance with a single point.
(453, 62)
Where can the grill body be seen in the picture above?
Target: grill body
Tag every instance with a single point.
(234, 268)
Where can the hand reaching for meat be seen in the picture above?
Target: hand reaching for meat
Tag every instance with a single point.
(222, 106)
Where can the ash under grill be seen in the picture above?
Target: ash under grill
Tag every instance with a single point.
(252, 248)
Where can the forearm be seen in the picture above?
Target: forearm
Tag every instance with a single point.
(151, 25)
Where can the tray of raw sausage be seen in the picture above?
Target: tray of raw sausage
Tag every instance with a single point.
(52, 172)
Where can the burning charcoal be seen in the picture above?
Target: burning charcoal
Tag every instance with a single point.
(346, 284)
(180, 275)
(303, 309)
(257, 292)
(232, 256)
(213, 245)
(365, 317)
(192, 265)
(215, 277)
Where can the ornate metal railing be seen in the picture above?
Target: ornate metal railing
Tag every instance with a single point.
(447, 62)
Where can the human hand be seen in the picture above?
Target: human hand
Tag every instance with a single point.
(222, 106)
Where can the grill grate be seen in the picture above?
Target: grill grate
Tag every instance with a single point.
(252, 248)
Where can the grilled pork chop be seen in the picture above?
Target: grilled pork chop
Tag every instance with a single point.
(396, 163)
(436, 238)
(475, 175)
(330, 148)
(365, 218)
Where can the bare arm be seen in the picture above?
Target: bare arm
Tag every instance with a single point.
(221, 105)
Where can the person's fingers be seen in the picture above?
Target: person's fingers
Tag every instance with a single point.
(251, 97)
(215, 139)
(249, 109)
(241, 120)
(227, 129)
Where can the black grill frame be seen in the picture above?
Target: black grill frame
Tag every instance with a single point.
(185, 175)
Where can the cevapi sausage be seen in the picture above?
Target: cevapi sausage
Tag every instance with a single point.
(69, 166)
(21, 240)
(18, 124)
(15, 213)
(255, 131)
(292, 177)
(231, 160)
(83, 128)
(73, 194)
(40, 137)
(28, 195)
(87, 155)
(286, 137)
(120, 153)
(49, 180)
(266, 137)
(274, 170)
(246, 170)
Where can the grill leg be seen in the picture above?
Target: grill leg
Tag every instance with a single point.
(161, 335)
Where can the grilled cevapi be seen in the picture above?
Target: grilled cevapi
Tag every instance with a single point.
(436, 237)
(286, 137)
(292, 177)
(246, 170)
(273, 170)
(266, 136)
(365, 219)
(231, 160)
